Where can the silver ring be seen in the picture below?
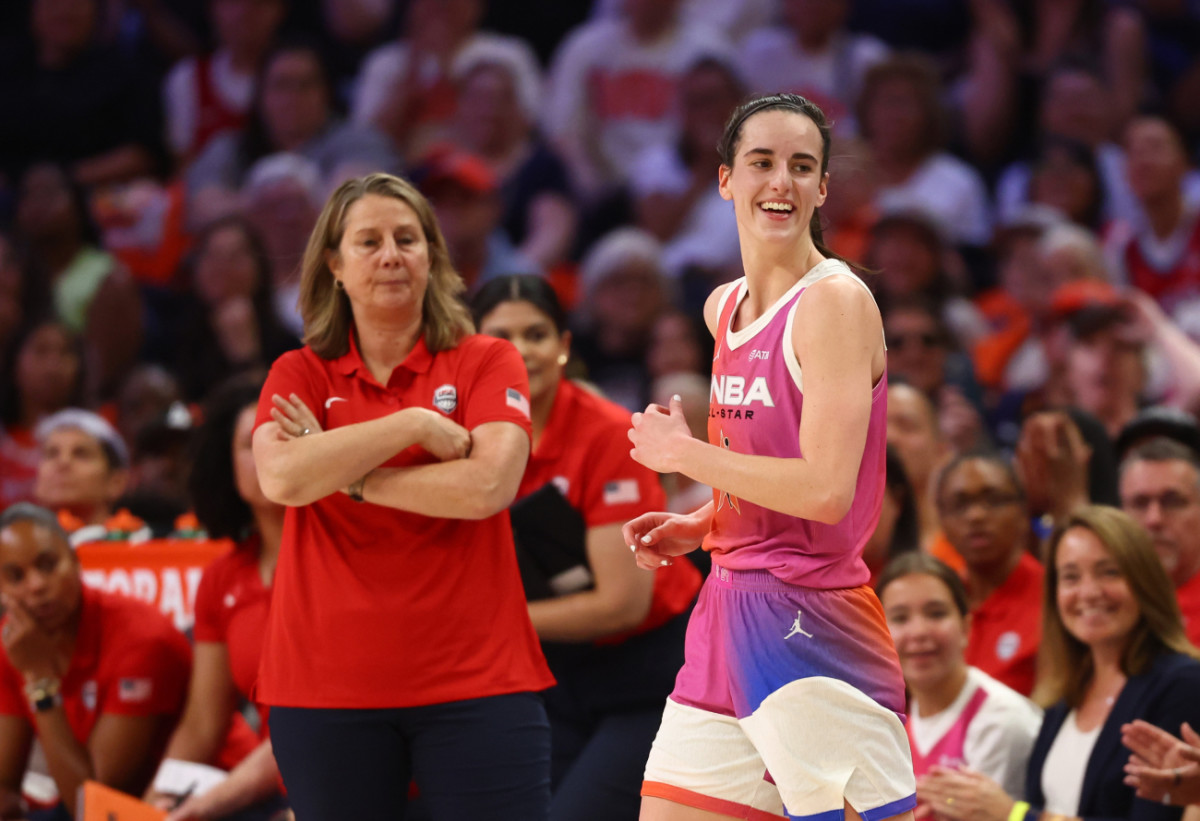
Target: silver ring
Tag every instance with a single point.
(305, 432)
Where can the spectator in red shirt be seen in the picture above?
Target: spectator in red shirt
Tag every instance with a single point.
(98, 678)
(612, 633)
(1160, 487)
(983, 513)
(398, 642)
(231, 605)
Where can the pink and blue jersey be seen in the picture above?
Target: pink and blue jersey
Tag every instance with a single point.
(755, 405)
(790, 702)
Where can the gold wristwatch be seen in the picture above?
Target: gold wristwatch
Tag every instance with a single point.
(43, 694)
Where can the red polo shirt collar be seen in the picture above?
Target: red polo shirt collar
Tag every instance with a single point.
(419, 359)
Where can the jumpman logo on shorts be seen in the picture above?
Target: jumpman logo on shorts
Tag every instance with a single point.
(796, 628)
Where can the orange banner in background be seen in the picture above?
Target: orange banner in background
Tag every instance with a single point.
(164, 572)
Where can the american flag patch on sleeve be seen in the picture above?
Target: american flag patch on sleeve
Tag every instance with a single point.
(622, 492)
(514, 399)
(134, 689)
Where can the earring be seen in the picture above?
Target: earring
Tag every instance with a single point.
(562, 359)
(337, 284)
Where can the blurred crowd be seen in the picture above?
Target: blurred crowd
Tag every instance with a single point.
(1017, 178)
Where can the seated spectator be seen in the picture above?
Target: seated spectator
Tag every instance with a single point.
(909, 249)
(612, 633)
(811, 52)
(896, 532)
(280, 199)
(900, 115)
(43, 374)
(672, 183)
(294, 111)
(958, 715)
(924, 353)
(916, 439)
(231, 606)
(91, 293)
(406, 89)
(97, 678)
(466, 197)
(612, 89)
(157, 425)
(230, 324)
(83, 470)
(1064, 176)
(1113, 651)
(1012, 353)
(80, 101)
(849, 212)
(208, 95)
(1074, 104)
(1114, 346)
(498, 88)
(623, 290)
(1160, 254)
(982, 507)
(1160, 488)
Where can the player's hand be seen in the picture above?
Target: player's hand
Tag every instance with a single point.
(659, 435)
(657, 538)
(294, 418)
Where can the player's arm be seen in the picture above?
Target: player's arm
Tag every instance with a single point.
(837, 335)
(16, 736)
(480, 485)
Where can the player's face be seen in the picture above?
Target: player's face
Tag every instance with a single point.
(776, 179)
(929, 631)
(383, 258)
(38, 572)
(1094, 600)
(535, 338)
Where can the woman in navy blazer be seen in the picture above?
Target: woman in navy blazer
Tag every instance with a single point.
(1113, 650)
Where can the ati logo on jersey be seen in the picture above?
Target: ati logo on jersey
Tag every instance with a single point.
(731, 390)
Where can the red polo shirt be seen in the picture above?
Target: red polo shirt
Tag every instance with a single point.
(375, 607)
(128, 660)
(584, 451)
(1007, 628)
(1188, 595)
(232, 605)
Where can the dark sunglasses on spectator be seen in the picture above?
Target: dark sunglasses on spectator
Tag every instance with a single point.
(925, 340)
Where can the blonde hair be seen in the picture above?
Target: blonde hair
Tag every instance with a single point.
(325, 309)
(1065, 664)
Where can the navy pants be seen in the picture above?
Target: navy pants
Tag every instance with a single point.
(479, 758)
